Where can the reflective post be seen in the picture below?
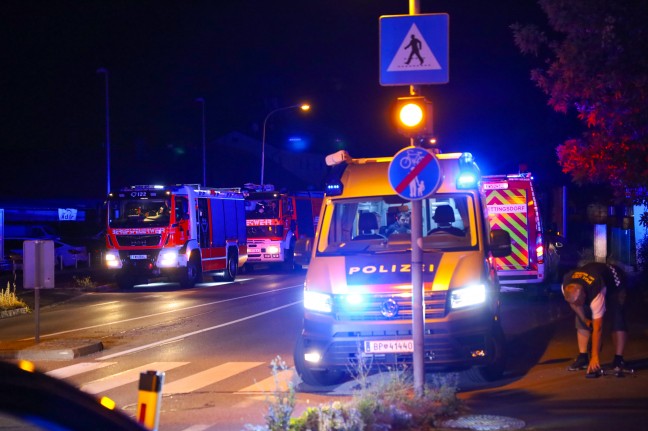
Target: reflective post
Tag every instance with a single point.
(149, 399)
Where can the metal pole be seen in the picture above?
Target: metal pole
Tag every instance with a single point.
(418, 312)
(204, 146)
(263, 138)
(105, 72)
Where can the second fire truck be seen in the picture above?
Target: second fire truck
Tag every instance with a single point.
(276, 221)
(178, 231)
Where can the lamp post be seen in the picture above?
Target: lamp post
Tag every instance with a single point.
(104, 71)
(202, 101)
(303, 107)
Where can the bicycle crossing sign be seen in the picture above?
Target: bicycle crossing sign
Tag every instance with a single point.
(414, 49)
(414, 173)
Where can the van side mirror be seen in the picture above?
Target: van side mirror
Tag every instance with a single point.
(303, 250)
(500, 243)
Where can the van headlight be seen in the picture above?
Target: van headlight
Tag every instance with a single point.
(318, 301)
(467, 296)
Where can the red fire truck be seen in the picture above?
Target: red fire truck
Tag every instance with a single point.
(179, 232)
(513, 206)
(276, 220)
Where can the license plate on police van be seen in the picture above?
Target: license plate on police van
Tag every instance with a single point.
(389, 346)
(138, 256)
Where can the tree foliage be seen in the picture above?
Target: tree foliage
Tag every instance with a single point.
(593, 61)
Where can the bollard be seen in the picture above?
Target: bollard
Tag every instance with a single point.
(150, 399)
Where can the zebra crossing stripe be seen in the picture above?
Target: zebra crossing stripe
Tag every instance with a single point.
(128, 376)
(207, 377)
(73, 370)
(270, 384)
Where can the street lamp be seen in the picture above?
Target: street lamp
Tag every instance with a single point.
(202, 101)
(303, 107)
(105, 73)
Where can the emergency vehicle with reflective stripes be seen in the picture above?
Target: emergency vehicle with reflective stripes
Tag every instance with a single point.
(276, 221)
(358, 286)
(513, 206)
(175, 231)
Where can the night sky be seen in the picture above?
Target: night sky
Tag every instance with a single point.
(246, 58)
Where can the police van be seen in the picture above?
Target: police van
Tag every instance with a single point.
(358, 286)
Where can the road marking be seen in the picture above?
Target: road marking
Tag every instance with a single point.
(273, 383)
(207, 377)
(128, 376)
(73, 370)
(101, 304)
(197, 428)
(148, 316)
(189, 334)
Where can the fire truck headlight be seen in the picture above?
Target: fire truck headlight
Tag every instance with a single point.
(273, 249)
(112, 259)
(466, 296)
(168, 258)
(317, 301)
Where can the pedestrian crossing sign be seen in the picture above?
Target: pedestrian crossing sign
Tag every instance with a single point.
(414, 49)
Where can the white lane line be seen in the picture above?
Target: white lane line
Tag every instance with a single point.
(273, 383)
(101, 304)
(148, 316)
(189, 334)
(128, 376)
(197, 428)
(73, 370)
(207, 377)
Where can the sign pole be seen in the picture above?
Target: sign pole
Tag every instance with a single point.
(418, 314)
(38, 278)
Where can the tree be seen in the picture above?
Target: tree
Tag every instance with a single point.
(595, 64)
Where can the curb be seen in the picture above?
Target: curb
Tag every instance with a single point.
(13, 312)
(57, 350)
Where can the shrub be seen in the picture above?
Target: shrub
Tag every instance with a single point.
(9, 300)
(84, 282)
(389, 403)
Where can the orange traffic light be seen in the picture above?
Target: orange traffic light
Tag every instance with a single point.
(413, 116)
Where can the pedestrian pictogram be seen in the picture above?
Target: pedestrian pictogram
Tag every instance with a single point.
(414, 173)
(414, 54)
(414, 49)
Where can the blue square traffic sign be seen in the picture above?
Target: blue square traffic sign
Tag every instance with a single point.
(414, 49)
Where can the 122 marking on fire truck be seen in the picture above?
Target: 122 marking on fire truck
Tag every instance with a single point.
(513, 206)
(179, 232)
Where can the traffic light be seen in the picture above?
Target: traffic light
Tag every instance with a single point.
(413, 116)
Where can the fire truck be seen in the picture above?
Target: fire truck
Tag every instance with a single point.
(276, 221)
(513, 206)
(175, 231)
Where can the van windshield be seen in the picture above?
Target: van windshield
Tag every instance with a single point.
(382, 224)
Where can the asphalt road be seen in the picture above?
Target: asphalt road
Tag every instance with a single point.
(236, 329)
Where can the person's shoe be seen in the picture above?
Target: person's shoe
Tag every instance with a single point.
(594, 374)
(580, 363)
(618, 365)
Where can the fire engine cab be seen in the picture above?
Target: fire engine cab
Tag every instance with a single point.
(276, 221)
(178, 231)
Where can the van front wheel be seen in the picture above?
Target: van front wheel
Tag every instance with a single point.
(312, 377)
